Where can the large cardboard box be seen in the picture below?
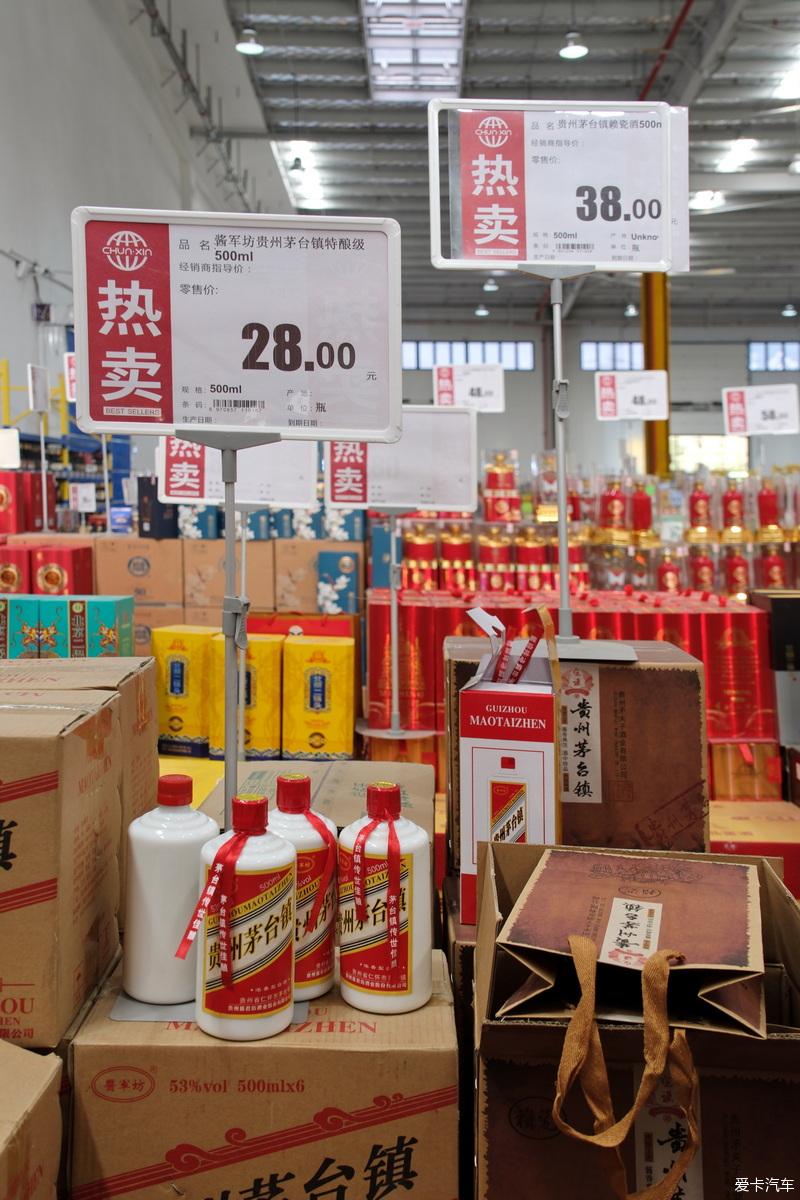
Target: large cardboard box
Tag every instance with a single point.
(783, 607)
(147, 617)
(296, 573)
(60, 817)
(770, 828)
(134, 681)
(339, 789)
(342, 1104)
(460, 950)
(151, 571)
(30, 1124)
(204, 573)
(748, 1085)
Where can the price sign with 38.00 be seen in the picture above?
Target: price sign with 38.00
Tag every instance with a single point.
(287, 325)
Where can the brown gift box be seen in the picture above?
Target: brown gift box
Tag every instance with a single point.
(149, 570)
(30, 1124)
(147, 617)
(296, 575)
(59, 837)
(367, 1102)
(204, 573)
(748, 1086)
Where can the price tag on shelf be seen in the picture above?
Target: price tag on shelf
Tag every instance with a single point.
(471, 385)
(282, 474)
(83, 497)
(434, 465)
(631, 395)
(287, 325)
(550, 184)
(38, 388)
(70, 376)
(771, 408)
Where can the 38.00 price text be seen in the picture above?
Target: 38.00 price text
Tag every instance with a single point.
(607, 205)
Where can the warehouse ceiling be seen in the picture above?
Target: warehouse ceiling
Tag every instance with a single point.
(736, 63)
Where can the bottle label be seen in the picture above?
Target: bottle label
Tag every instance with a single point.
(313, 953)
(508, 809)
(262, 958)
(365, 959)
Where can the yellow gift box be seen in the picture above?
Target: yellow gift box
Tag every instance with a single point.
(262, 713)
(182, 654)
(318, 697)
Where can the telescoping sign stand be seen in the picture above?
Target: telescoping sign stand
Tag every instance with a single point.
(398, 479)
(558, 191)
(236, 331)
(39, 398)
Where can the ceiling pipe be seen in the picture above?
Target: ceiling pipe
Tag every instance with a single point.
(665, 49)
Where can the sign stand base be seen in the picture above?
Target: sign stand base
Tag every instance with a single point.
(234, 607)
(570, 647)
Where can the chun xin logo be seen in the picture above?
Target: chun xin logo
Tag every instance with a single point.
(126, 250)
(493, 132)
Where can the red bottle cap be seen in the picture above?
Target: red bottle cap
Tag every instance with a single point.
(383, 801)
(175, 791)
(293, 793)
(249, 814)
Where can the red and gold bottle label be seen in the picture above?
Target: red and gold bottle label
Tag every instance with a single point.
(732, 508)
(699, 511)
(261, 920)
(701, 569)
(314, 940)
(508, 810)
(365, 954)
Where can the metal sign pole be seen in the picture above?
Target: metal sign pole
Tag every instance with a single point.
(43, 458)
(106, 485)
(394, 623)
(242, 650)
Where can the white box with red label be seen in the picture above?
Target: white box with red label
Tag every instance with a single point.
(508, 747)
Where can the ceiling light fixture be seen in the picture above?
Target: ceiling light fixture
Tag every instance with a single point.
(794, 166)
(705, 200)
(248, 43)
(737, 154)
(481, 311)
(414, 50)
(789, 86)
(631, 310)
(573, 47)
(789, 310)
(297, 165)
(491, 285)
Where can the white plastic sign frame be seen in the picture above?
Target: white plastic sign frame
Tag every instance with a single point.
(186, 344)
(631, 395)
(470, 385)
(83, 497)
(38, 388)
(433, 465)
(744, 414)
(279, 474)
(660, 188)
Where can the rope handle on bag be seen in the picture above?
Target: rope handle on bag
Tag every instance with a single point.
(582, 1059)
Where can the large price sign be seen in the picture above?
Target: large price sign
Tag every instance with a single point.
(286, 325)
(631, 395)
(553, 184)
(434, 464)
(279, 473)
(772, 408)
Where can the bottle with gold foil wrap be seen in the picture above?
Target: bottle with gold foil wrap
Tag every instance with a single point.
(733, 506)
(668, 572)
(772, 565)
(699, 507)
(768, 505)
(641, 509)
(701, 559)
(420, 569)
(642, 558)
(457, 564)
(735, 563)
(608, 559)
(501, 500)
(530, 552)
(611, 513)
(495, 560)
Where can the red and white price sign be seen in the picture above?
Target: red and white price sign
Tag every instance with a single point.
(433, 465)
(631, 395)
(278, 473)
(286, 325)
(70, 376)
(471, 385)
(751, 411)
(83, 497)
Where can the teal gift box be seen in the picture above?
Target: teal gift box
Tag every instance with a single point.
(19, 626)
(85, 626)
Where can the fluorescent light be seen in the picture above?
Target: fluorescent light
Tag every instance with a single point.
(789, 86)
(248, 43)
(737, 154)
(481, 311)
(573, 47)
(413, 53)
(794, 166)
(789, 310)
(631, 310)
(302, 175)
(706, 199)
(491, 286)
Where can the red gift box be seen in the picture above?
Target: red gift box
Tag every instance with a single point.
(62, 570)
(12, 502)
(32, 490)
(15, 569)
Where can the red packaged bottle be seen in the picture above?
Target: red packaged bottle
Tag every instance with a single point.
(612, 507)
(641, 509)
(767, 505)
(699, 507)
(733, 507)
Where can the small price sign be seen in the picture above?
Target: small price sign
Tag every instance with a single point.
(70, 376)
(38, 388)
(631, 395)
(471, 385)
(771, 408)
(83, 497)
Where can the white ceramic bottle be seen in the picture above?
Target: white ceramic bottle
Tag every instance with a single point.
(259, 880)
(164, 848)
(314, 838)
(385, 918)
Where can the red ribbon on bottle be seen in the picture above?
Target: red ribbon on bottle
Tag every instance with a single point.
(222, 880)
(330, 866)
(393, 883)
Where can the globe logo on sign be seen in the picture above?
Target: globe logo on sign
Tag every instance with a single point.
(493, 132)
(126, 250)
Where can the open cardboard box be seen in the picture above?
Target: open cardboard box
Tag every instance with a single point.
(748, 1086)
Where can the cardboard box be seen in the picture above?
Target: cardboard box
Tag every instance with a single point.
(183, 662)
(61, 814)
(262, 705)
(204, 573)
(297, 575)
(460, 950)
(85, 626)
(769, 828)
(342, 1103)
(30, 1124)
(58, 570)
(134, 681)
(783, 607)
(746, 1083)
(19, 627)
(745, 771)
(147, 617)
(15, 569)
(461, 658)
(210, 616)
(318, 702)
(338, 789)
(149, 570)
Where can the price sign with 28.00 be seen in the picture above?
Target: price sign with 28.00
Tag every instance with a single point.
(278, 325)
